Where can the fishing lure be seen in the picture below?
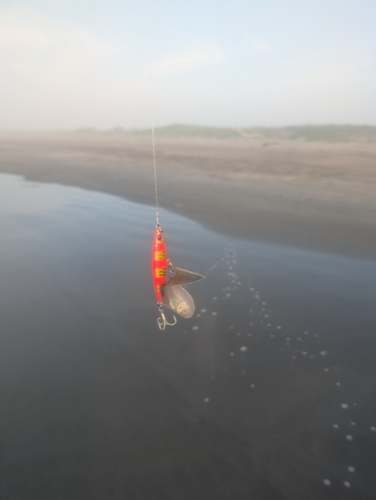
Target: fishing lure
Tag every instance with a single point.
(168, 281)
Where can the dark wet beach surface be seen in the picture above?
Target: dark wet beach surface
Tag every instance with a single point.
(267, 393)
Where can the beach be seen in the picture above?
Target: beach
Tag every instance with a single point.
(266, 392)
(313, 195)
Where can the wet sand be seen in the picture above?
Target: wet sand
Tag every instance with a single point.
(266, 393)
(296, 193)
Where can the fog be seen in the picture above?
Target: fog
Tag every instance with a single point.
(67, 65)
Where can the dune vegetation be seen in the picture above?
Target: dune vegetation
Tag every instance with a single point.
(316, 133)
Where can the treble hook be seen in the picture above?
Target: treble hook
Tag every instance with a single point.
(162, 321)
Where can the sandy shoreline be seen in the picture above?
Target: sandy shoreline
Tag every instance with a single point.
(320, 196)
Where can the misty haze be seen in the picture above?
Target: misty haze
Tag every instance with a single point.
(265, 176)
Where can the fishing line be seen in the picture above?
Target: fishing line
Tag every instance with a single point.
(151, 105)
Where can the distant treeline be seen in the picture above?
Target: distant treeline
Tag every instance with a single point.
(329, 133)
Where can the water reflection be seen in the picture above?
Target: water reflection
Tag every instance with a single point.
(267, 392)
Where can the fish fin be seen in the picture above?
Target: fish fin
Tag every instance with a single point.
(178, 300)
(183, 277)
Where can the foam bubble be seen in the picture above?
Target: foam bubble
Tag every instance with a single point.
(326, 482)
(232, 354)
(344, 406)
(279, 327)
(335, 426)
(349, 437)
(324, 353)
(350, 468)
(194, 328)
(244, 348)
(346, 484)
(203, 311)
(214, 313)
(206, 400)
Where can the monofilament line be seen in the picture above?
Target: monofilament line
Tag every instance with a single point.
(152, 117)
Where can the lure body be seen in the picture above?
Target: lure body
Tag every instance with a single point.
(159, 263)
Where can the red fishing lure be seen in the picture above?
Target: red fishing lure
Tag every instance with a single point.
(159, 267)
(159, 263)
(167, 281)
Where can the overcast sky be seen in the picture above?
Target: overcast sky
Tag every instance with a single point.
(84, 63)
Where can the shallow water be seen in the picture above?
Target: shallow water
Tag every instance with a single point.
(267, 392)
